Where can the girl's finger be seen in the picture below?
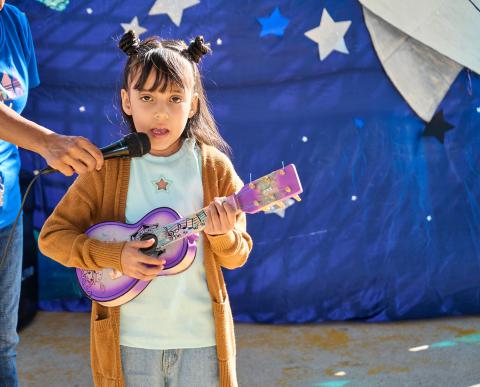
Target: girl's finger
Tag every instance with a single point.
(143, 274)
(213, 215)
(142, 244)
(231, 212)
(136, 274)
(151, 271)
(229, 208)
(148, 260)
(222, 213)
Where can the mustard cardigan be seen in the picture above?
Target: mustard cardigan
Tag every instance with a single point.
(101, 196)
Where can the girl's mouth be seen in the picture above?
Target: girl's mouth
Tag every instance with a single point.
(159, 132)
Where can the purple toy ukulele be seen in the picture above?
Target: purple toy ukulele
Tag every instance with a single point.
(175, 236)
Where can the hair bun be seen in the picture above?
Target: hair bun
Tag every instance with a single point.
(198, 48)
(129, 43)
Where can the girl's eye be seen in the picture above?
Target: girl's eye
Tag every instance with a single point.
(146, 98)
(176, 99)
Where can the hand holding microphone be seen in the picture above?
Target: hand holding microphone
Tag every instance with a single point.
(76, 154)
(70, 154)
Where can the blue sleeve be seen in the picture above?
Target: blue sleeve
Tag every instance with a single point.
(33, 77)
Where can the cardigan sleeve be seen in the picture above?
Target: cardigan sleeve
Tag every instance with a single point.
(231, 249)
(63, 237)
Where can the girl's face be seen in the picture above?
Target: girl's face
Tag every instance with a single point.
(161, 115)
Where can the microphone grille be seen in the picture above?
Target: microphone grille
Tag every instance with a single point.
(137, 143)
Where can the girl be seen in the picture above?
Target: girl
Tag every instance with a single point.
(179, 330)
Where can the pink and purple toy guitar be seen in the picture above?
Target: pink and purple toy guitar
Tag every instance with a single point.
(175, 236)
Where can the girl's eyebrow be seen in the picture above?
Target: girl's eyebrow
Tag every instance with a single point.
(176, 90)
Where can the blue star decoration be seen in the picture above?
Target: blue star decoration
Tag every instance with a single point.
(437, 127)
(359, 123)
(275, 24)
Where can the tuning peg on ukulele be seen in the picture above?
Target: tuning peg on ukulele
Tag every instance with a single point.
(297, 198)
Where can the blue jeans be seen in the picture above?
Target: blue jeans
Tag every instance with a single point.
(191, 367)
(10, 280)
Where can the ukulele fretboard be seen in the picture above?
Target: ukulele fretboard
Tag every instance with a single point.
(182, 228)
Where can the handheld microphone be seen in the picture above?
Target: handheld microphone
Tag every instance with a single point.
(132, 145)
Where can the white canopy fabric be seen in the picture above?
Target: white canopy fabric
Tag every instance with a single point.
(420, 74)
(423, 45)
(451, 27)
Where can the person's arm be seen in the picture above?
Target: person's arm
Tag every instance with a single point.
(62, 237)
(68, 154)
(226, 226)
(231, 250)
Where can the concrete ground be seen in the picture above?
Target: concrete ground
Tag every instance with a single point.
(54, 352)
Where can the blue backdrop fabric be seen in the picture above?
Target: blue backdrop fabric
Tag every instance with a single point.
(389, 222)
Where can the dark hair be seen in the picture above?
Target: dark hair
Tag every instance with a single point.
(167, 58)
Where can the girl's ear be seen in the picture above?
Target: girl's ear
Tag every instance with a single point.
(194, 106)
(126, 106)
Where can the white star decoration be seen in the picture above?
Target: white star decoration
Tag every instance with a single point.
(173, 8)
(329, 35)
(134, 26)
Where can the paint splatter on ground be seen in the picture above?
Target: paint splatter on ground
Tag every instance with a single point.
(54, 351)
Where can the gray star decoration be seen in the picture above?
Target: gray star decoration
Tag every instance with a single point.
(280, 209)
(134, 26)
(173, 8)
(329, 35)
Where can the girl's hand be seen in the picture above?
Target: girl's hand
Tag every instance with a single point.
(220, 217)
(138, 265)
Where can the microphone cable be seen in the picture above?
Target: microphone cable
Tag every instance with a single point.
(14, 226)
(132, 145)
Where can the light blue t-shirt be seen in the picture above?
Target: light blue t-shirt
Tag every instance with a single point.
(18, 73)
(173, 311)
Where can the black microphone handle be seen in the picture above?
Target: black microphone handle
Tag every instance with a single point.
(121, 152)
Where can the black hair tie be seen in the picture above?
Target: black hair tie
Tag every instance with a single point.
(198, 48)
(129, 43)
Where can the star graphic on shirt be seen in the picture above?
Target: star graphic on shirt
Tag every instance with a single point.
(329, 35)
(275, 24)
(174, 9)
(134, 26)
(162, 184)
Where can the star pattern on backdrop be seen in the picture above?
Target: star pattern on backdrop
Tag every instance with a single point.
(437, 127)
(275, 24)
(173, 8)
(134, 26)
(329, 35)
(280, 209)
(162, 184)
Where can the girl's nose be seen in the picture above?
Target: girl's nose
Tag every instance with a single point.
(161, 116)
